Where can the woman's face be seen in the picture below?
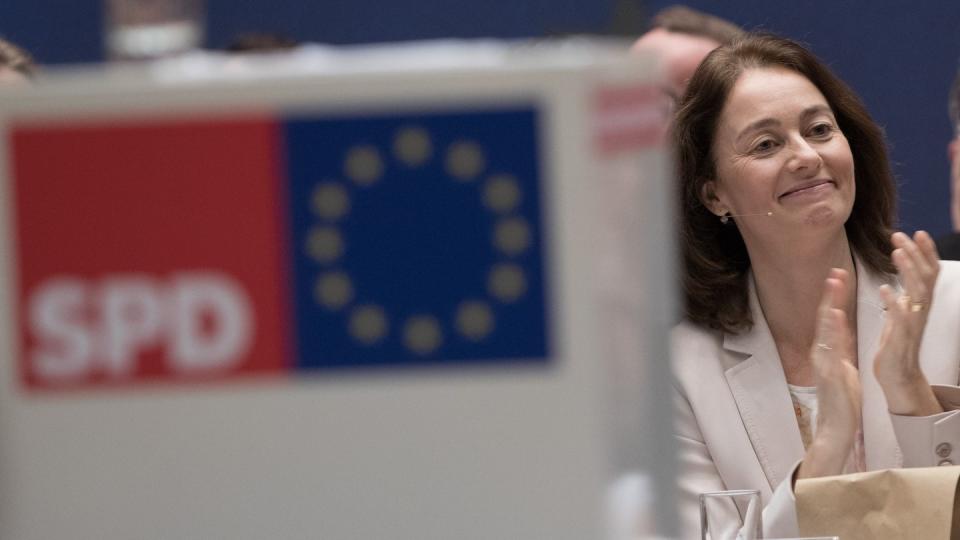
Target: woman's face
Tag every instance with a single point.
(778, 149)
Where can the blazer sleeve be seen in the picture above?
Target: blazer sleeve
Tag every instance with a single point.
(927, 441)
(698, 474)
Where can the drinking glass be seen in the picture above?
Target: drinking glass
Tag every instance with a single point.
(143, 29)
(731, 515)
(953, 105)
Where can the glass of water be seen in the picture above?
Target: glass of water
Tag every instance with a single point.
(731, 515)
(953, 105)
(144, 29)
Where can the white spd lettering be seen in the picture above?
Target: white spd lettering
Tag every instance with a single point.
(202, 320)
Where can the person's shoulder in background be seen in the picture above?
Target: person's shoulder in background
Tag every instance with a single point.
(949, 247)
(16, 64)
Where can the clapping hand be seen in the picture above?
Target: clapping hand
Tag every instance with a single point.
(897, 364)
(838, 383)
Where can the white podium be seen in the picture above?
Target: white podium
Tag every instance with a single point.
(408, 292)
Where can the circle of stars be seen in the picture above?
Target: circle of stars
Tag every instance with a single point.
(464, 162)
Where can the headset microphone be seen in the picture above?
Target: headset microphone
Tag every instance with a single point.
(748, 215)
(726, 217)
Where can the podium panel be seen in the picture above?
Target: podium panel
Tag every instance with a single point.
(390, 292)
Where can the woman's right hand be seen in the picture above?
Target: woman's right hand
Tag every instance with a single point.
(833, 358)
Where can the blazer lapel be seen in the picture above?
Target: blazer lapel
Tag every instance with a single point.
(759, 387)
(880, 442)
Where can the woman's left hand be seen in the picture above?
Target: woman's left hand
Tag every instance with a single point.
(897, 364)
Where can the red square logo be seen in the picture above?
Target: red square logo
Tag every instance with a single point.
(149, 250)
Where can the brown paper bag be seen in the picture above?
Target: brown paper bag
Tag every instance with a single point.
(894, 504)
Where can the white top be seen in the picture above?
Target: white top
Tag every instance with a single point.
(805, 408)
(804, 400)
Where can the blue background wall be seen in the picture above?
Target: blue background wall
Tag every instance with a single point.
(900, 56)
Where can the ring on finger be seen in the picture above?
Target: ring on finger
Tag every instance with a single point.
(917, 306)
(824, 347)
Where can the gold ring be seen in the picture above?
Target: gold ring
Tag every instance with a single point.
(916, 307)
(824, 347)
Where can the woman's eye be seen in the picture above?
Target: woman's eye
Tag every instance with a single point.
(764, 146)
(821, 130)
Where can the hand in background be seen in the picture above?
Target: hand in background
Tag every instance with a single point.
(838, 384)
(897, 364)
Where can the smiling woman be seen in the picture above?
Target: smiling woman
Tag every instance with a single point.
(801, 351)
(776, 121)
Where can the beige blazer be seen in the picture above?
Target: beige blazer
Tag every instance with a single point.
(735, 425)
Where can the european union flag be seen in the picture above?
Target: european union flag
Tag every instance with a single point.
(417, 238)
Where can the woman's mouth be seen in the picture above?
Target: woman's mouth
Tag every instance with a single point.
(806, 190)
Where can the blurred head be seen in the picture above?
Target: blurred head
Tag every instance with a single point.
(681, 38)
(261, 42)
(716, 260)
(16, 66)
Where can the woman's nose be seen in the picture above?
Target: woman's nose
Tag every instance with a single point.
(805, 157)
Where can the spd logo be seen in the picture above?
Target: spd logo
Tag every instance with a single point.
(147, 252)
(201, 322)
(152, 251)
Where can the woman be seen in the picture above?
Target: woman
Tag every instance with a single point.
(806, 349)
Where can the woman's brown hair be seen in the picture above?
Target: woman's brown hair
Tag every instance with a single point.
(715, 258)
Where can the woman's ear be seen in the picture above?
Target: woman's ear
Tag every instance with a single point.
(709, 198)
